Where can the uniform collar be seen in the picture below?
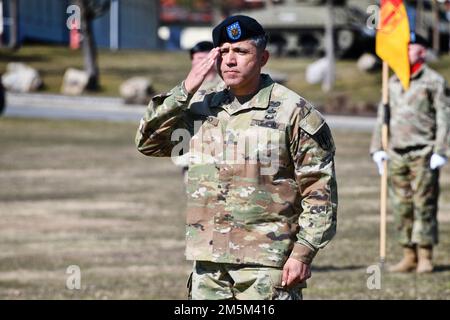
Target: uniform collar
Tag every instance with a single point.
(416, 75)
(259, 101)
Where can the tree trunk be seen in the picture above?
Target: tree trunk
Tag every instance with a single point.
(2, 97)
(88, 45)
(436, 41)
(328, 82)
(13, 29)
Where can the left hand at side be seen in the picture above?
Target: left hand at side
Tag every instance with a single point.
(294, 272)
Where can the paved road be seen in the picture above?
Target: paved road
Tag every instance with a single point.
(112, 109)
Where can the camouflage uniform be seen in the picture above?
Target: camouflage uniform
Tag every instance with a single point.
(419, 126)
(207, 86)
(211, 281)
(278, 201)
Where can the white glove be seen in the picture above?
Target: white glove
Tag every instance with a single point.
(379, 157)
(437, 161)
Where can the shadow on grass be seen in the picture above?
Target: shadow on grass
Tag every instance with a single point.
(328, 268)
(441, 268)
(13, 57)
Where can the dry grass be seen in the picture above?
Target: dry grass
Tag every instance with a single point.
(169, 68)
(78, 193)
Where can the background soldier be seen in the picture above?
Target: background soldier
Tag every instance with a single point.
(257, 212)
(198, 53)
(418, 143)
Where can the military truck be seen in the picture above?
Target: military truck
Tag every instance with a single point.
(297, 27)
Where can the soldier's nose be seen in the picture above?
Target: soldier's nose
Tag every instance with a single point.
(230, 59)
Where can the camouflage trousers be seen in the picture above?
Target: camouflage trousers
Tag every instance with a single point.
(413, 191)
(223, 281)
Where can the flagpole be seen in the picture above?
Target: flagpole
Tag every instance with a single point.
(384, 143)
(392, 38)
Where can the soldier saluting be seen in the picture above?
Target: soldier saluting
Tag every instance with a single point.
(419, 141)
(262, 194)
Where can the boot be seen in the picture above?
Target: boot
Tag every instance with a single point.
(409, 261)
(425, 255)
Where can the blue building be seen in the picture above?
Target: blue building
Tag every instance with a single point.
(129, 24)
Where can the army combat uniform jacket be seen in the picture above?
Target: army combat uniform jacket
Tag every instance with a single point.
(261, 180)
(419, 116)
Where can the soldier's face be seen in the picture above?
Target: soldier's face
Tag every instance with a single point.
(198, 57)
(240, 65)
(416, 53)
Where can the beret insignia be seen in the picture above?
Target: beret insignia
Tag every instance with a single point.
(234, 31)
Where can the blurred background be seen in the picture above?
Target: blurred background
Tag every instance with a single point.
(84, 216)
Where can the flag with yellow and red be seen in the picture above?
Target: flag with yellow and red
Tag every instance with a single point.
(393, 36)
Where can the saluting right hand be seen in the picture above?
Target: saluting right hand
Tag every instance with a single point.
(199, 71)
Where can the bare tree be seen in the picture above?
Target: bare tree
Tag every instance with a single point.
(328, 82)
(90, 10)
(13, 34)
(2, 96)
(435, 10)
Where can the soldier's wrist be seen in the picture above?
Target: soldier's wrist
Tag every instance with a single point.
(303, 253)
(183, 95)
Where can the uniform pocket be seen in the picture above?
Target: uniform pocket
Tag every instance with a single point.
(284, 293)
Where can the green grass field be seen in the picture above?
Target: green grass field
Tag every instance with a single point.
(169, 68)
(78, 193)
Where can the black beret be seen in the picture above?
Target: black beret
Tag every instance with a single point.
(236, 28)
(419, 39)
(202, 46)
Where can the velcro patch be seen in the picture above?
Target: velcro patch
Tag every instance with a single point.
(324, 138)
(268, 124)
(312, 122)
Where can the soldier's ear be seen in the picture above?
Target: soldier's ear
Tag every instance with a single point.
(264, 57)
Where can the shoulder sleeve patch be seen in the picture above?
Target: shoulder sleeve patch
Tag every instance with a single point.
(324, 138)
(312, 122)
